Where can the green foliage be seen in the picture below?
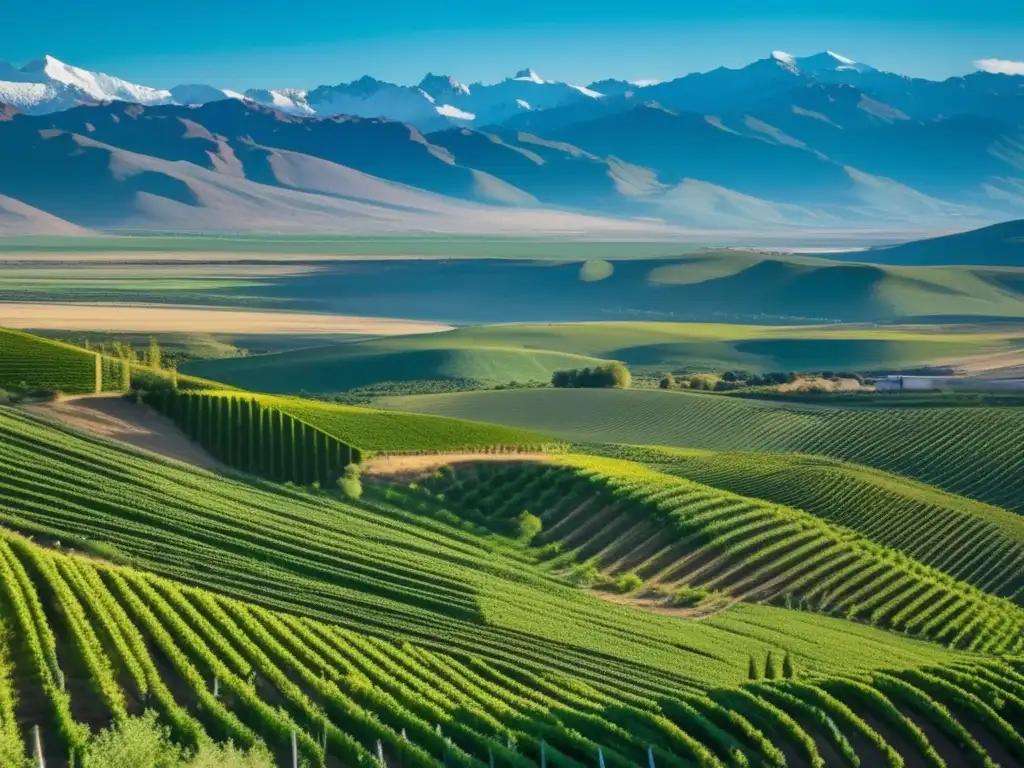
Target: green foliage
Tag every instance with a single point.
(528, 527)
(771, 667)
(753, 669)
(975, 542)
(788, 668)
(628, 582)
(153, 355)
(668, 381)
(613, 375)
(962, 449)
(349, 482)
(28, 362)
(141, 742)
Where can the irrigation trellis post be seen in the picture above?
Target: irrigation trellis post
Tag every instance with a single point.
(37, 747)
(380, 753)
(295, 750)
(600, 758)
(650, 757)
(543, 754)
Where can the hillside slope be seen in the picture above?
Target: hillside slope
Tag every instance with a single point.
(531, 352)
(1000, 245)
(974, 542)
(972, 451)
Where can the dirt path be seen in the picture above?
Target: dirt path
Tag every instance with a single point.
(139, 426)
(411, 466)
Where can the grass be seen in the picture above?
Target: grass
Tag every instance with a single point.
(642, 527)
(972, 541)
(971, 451)
(523, 352)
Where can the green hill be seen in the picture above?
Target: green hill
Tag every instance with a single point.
(675, 535)
(526, 352)
(307, 441)
(358, 364)
(971, 451)
(972, 541)
(243, 610)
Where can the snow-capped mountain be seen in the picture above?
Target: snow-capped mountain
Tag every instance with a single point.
(50, 85)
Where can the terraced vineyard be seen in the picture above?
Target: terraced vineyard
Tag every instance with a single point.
(971, 451)
(105, 642)
(305, 441)
(672, 534)
(37, 362)
(377, 569)
(972, 541)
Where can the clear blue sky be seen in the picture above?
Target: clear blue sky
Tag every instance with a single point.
(271, 43)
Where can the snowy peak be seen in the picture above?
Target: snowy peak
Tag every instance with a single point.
(441, 86)
(819, 63)
(530, 75)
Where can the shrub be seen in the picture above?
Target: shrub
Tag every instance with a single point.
(585, 575)
(668, 381)
(349, 483)
(608, 376)
(753, 671)
(628, 582)
(688, 597)
(788, 669)
(528, 527)
(771, 667)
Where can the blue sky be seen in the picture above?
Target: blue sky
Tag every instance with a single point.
(269, 43)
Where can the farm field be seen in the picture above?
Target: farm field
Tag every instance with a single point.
(104, 642)
(971, 451)
(156, 319)
(972, 541)
(310, 554)
(670, 535)
(542, 283)
(524, 352)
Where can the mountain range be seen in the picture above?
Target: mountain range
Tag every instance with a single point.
(819, 142)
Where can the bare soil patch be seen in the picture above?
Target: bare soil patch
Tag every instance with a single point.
(409, 467)
(115, 418)
(146, 318)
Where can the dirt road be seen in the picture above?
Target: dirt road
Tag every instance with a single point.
(139, 426)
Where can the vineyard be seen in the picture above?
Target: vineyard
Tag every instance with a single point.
(969, 540)
(675, 535)
(375, 568)
(95, 644)
(971, 451)
(305, 441)
(31, 361)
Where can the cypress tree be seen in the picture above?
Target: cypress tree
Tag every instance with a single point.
(788, 670)
(771, 668)
(753, 673)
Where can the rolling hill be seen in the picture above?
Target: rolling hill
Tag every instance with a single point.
(974, 542)
(499, 354)
(1000, 245)
(966, 450)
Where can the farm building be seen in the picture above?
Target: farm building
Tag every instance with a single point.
(961, 383)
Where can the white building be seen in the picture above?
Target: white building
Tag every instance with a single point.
(960, 383)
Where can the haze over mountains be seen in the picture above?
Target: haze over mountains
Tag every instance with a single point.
(811, 143)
